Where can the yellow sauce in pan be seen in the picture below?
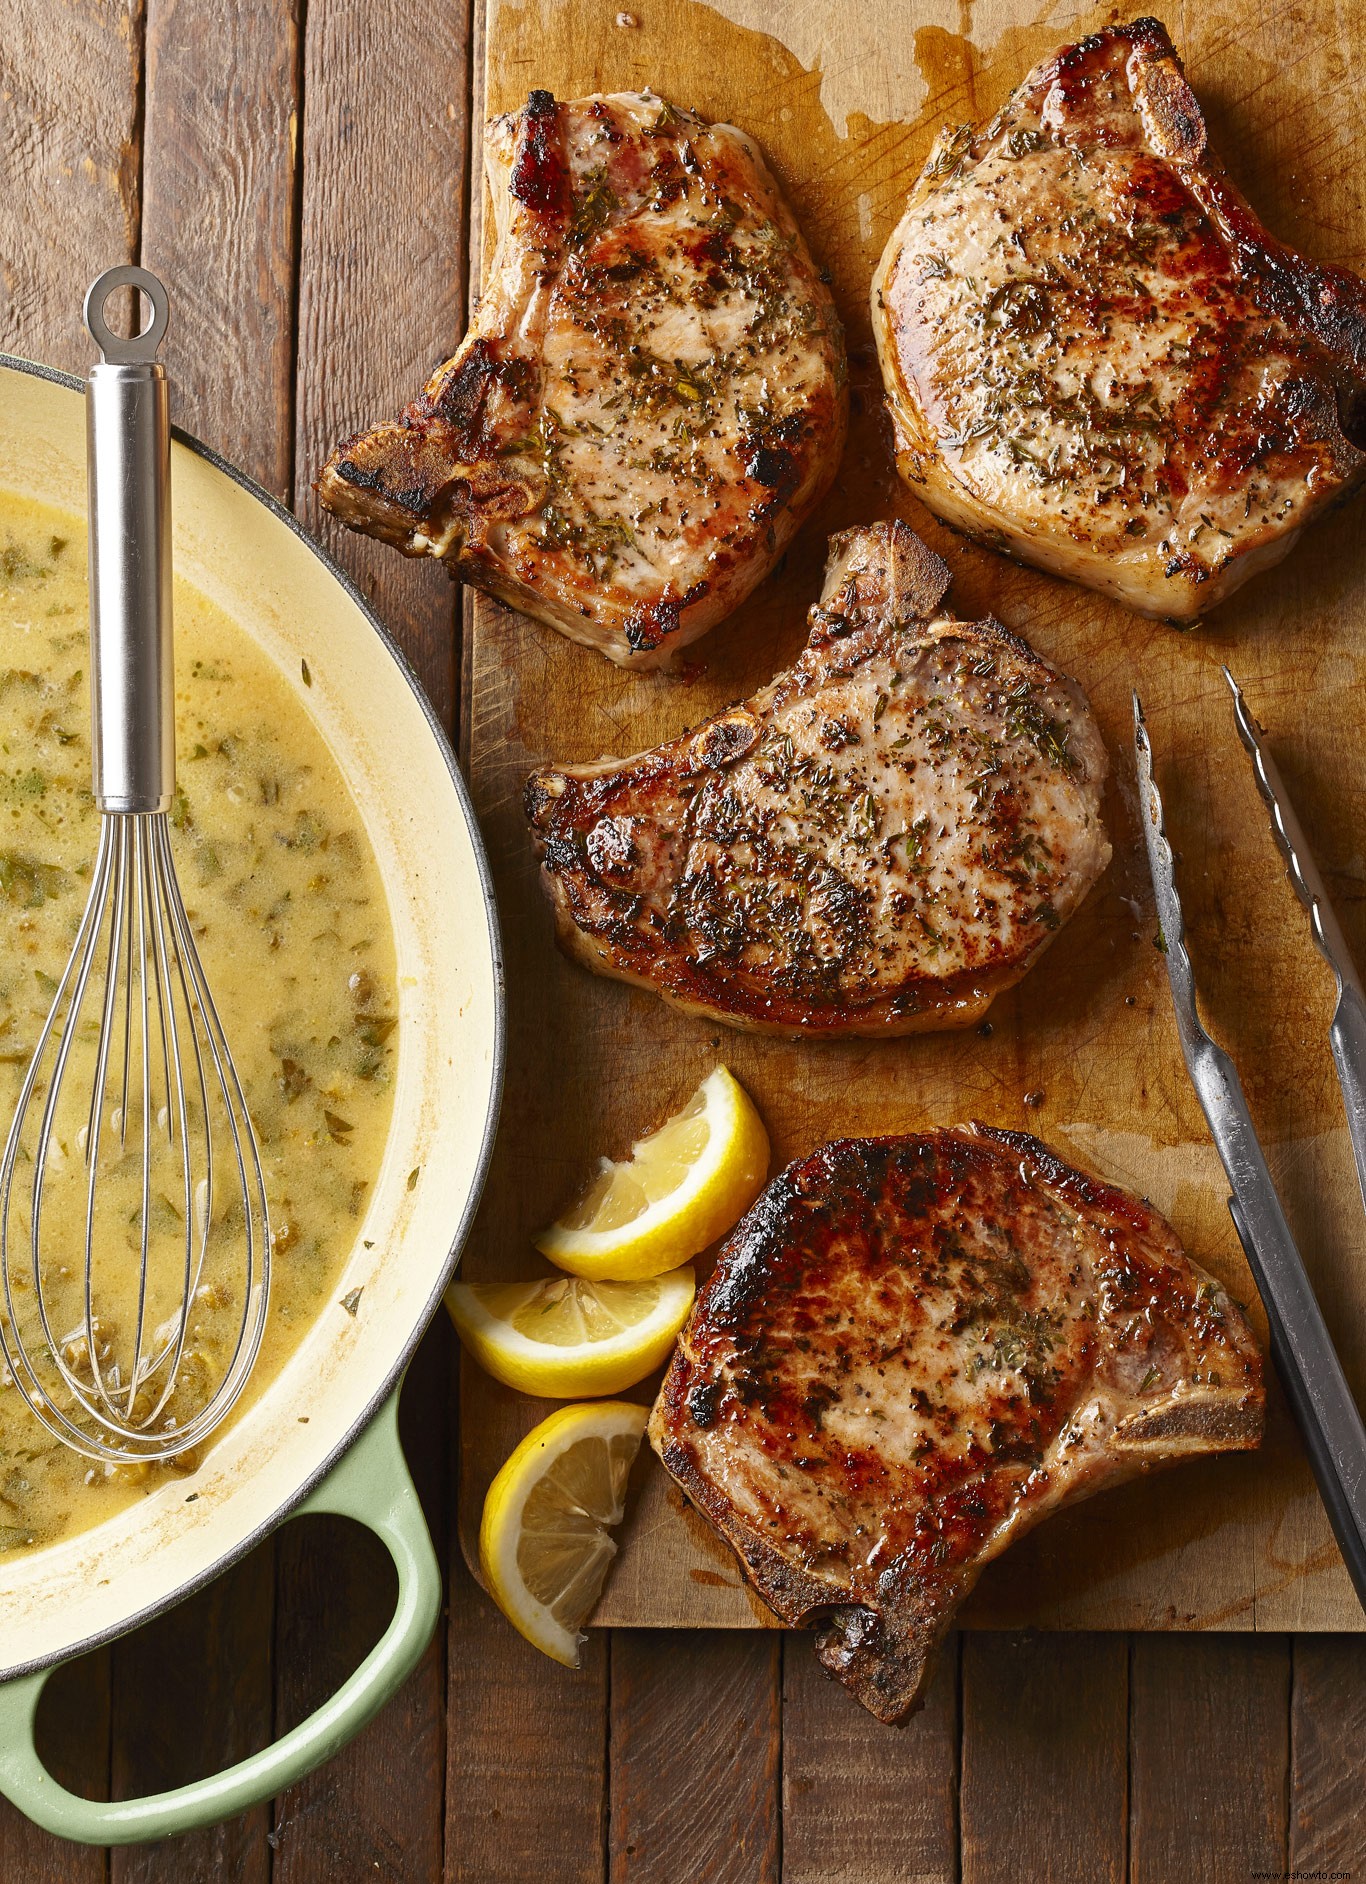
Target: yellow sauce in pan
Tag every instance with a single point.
(286, 902)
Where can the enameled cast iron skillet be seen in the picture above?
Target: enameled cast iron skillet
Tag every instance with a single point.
(323, 1436)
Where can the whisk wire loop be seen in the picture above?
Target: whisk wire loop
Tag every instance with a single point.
(78, 969)
(132, 1008)
(134, 994)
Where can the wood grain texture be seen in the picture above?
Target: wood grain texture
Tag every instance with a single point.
(73, 1739)
(1226, 1544)
(863, 1802)
(1208, 1758)
(695, 1741)
(373, 1808)
(191, 1695)
(525, 1750)
(501, 1827)
(194, 1691)
(70, 154)
(1327, 1737)
(382, 278)
(1045, 1721)
(376, 1806)
(219, 183)
(526, 1793)
(381, 271)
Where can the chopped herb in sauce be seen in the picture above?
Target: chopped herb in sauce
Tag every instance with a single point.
(289, 913)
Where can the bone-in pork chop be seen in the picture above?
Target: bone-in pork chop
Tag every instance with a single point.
(651, 397)
(1095, 356)
(878, 842)
(911, 1351)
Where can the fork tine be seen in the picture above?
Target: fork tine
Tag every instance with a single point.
(1292, 843)
(1171, 937)
(1347, 1030)
(1315, 1385)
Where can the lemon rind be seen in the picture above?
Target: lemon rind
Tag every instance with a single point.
(738, 1125)
(500, 1526)
(593, 1367)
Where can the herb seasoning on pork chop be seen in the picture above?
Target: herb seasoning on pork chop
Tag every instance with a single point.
(911, 1351)
(878, 842)
(651, 397)
(1097, 359)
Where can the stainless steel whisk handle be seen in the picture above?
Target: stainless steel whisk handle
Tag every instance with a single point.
(128, 451)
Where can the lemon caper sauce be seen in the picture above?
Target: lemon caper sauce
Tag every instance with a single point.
(289, 914)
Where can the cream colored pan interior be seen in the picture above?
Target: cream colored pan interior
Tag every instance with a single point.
(249, 558)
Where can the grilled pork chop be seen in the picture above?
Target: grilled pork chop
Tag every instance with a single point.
(911, 1351)
(652, 395)
(876, 843)
(1095, 356)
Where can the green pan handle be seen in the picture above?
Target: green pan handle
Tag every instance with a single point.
(371, 1483)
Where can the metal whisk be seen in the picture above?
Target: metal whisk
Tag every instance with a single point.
(164, 1109)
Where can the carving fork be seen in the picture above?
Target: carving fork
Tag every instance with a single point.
(1311, 1373)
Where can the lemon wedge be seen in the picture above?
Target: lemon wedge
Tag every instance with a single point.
(680, 1189)
(562, 1337)
(545, 1540)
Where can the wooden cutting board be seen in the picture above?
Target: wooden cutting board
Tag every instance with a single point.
(845, 97)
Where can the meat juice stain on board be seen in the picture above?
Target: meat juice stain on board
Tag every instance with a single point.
(846, 191)
(1068, 1030)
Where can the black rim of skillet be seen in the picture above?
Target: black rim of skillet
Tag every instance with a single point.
(133, 1619)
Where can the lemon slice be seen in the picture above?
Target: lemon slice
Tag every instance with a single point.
(561, 1337)
(545, 1541)
(680, 1189)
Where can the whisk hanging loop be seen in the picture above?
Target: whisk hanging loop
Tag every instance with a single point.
(133, 1015)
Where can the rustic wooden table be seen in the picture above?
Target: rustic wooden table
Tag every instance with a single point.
(300, 176)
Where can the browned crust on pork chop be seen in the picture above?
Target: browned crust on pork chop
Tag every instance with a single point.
(912, 1350)
(1095, 356)
(877, 842)
(649, 400)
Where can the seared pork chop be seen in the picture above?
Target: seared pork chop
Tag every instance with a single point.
(878, 842)
(652, 395)
(1095, 356)
(911, 1351)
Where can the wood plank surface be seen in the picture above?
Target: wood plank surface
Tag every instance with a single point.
(526, 1793)
(845, 103)
(1327, 1736)
(1045, 1721)
(377, 1806)
(860, 1803)
(1209, 1754)
(500, 1694)
(696, 1741)
(382, 271)
(194, 1691)
(191, 1693)
(219, 220)
(495, 1766)
(71, 153)
(73, 1738)
(375, 238)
